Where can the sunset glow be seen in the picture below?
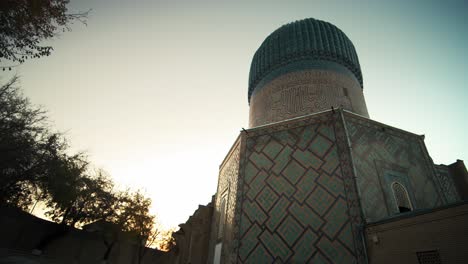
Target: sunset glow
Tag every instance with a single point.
(156, 91)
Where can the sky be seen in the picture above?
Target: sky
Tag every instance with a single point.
(156, 91)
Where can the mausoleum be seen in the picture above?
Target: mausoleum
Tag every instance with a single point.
(315, 180)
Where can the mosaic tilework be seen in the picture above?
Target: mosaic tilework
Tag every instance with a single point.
(378, 151)
(350, 186)
(295, 206)
(303, 92)
(227, 186)
(447, 184)
(304, 39)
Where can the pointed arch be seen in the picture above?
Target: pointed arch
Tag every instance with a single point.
(401, 196)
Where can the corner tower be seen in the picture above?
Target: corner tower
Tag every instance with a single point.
(304, 67)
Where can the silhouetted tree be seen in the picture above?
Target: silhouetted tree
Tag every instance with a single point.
(133, 216)
(27, 147)
(25, 23)
(165, 240)
(78, 198)
(132, 213)
(35, 165)
(131, 221)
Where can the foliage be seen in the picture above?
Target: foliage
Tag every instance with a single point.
(132, 214)
(77, 197)
(165, 241)
(27, 147)
(35, 165)
(25, 23)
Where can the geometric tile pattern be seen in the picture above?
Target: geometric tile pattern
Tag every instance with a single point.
(294, 205)
(447, 184)
(227, 187)
(378, 150)
(298, 190)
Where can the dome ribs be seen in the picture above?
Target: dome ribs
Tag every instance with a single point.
(307, 39)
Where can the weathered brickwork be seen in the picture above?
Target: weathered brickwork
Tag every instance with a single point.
(383, 155)
(295, 204)
(305, 92)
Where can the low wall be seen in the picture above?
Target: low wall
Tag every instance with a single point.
(23, 232)
(439, 234)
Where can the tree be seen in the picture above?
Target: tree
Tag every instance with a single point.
(165, 240)
(28, 149)
(76, 197)
(133, 217)
(132, 214)
(35, 165)
(25, 23)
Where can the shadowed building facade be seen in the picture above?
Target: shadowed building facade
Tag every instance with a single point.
(313, 177)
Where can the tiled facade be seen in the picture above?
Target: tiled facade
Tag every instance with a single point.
(294, 207)
(228, 190)
(301, 190)
(383, 155)
(447, 184)
(313, 170)
(296, 199)
(306, 91)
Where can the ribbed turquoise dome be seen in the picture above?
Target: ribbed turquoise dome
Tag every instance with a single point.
(308, 39)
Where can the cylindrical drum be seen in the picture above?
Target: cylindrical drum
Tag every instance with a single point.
(302, 68)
